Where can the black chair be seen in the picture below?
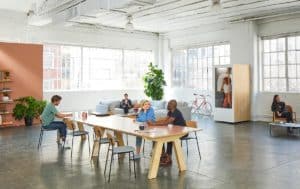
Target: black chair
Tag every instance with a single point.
(117, 151)
(42, 134)
(191, 124)
(77, 133)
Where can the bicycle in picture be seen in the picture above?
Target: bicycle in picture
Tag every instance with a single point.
(201, 105)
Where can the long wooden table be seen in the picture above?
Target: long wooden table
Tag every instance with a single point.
(158, 134)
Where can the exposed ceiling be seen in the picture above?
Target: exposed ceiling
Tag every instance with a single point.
(168, 15)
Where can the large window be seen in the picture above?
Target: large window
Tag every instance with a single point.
(193, 68)
(281, 64)
(83, 68)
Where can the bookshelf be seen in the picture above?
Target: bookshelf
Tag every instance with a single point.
(6, 102)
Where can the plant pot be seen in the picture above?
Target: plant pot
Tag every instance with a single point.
(28, 121)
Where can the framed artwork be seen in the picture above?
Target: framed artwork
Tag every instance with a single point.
(223, 87)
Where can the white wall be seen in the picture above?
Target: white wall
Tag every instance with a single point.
(14, 28)
(244, 39)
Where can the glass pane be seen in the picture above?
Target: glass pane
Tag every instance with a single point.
(298, 43)
(291, 57)
(273, 45)
(281, 70)
(298, 57)
(266, 45)
(267, 84)
(292, 71)
(274, 71)
(267, 72)
(298, 71)
(282, 85)
(267, 59)
(281, 44)
(274, 85)
(273, 58)
(291, 43)
(292, 84)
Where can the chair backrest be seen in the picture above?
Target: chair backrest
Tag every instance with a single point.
(192, 124)
(111, 139)
(99, 132)
(70, 125)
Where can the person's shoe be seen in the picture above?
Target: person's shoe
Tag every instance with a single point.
(136, 157)
(166, 161)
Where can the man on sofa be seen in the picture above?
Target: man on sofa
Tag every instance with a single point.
(126, 104)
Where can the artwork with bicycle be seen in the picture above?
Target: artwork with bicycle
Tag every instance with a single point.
(201, 105)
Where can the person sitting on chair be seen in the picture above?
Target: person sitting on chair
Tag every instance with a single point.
(126, 104)
(174, 117)
(147, 115)
(281, 110)
(49, 114)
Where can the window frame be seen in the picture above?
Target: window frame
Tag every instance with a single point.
(286, 65)
(81, 51)
(212, 45)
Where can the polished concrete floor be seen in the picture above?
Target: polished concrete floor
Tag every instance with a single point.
(233, 156)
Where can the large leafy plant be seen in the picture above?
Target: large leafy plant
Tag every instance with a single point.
(28, 108)
(154, 82)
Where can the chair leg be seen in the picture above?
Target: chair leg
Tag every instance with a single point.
(40, 139)
(144, 146)
(198, 146)
(72, 146)
(181, 143)
(134, 167)
(106, 159)
(187, 148)
(89, 143)
(129, 162)
(111, 159)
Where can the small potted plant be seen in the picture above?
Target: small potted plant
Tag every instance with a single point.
(5, 97)
(28, 108)
(6, 75)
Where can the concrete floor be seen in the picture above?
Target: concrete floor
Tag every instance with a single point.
(233, 156)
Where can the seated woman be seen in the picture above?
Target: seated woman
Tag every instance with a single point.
(147, 115)
(281, 110)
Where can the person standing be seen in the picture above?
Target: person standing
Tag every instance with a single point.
(126, 104)
(49, 114)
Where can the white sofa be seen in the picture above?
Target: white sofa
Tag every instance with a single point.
(160, 108)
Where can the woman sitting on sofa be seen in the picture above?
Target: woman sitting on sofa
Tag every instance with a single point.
(146, 115)
(282, 110)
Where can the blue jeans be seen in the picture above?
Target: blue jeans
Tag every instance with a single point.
(60, 125)
(138, 142)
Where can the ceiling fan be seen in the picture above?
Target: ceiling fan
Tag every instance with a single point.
(216, 5)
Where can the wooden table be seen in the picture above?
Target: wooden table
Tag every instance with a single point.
(158, 134)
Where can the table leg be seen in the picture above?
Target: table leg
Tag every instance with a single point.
(179, 156)
(119, 136)
(155, 160)
(81, 128)
(270, 130)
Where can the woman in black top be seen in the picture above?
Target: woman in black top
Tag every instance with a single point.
(281, 110)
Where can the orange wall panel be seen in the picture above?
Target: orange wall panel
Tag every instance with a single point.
(25, 64)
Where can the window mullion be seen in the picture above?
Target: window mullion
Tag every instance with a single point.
(286, 65)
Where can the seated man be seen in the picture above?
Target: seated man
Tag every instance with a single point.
(126, 104)
(174, 117)
(281, 110)
(48, 115)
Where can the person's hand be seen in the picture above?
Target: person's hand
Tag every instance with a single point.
(279, 114)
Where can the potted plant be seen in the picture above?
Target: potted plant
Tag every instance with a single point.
(154, 83)
(28, 108)
(5, 97)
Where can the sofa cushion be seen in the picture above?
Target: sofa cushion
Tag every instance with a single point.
(158, 104)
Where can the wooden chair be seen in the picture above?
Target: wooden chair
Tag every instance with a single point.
(117, 151)
(282, 119)
(192, 124)
(76, 133)
(98, 140)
